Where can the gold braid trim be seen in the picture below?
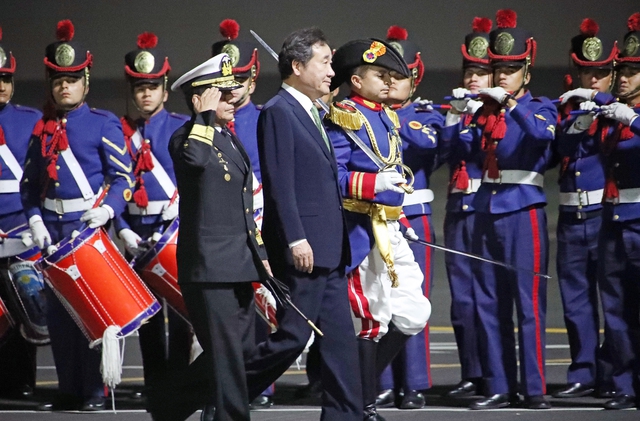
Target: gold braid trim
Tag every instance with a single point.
(393, 116)
(346, 116)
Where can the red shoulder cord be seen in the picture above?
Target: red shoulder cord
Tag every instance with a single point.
(494, 130)
(2, 142)
(460, 177)
(53, 139)
(142, 161)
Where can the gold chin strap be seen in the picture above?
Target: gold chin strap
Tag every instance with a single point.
(379, 215)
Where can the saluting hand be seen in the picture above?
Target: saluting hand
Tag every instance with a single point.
(303, 257)
(207, 101)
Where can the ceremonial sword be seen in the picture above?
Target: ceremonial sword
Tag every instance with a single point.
(354, 137)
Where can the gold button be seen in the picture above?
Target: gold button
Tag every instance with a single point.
(579, 206)
(465, 207)
(147, 141)
(250, 232)
(244, 189)
(246, 210)
(494, 192)
(57, 184)
(57, 167)
(577, 173)
(64, 121)
(579, 190)
(616, 217)
(59, 216)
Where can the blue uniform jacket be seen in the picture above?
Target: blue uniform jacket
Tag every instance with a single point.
(245, 126)
(526, 147)
(17, 123)
(158, 129)
(96, 139)
(356, 176)
(420, 133)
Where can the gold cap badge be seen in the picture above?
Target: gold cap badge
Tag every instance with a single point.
(478, 47)
(504, 43)
(376, 50)
(3, 57)
(233, 52)
(144, 62)
(227, 68)
(65, 55)
(631, 46)
(592, 48)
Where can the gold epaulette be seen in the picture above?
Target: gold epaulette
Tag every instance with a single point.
(393, 116)
(345, 114)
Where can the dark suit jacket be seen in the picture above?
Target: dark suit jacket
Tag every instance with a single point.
(301, 193)
(217, 241)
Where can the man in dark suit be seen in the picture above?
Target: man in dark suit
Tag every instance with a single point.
(304, 230)
(216, 227)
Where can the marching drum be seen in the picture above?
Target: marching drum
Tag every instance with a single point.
(97, 286)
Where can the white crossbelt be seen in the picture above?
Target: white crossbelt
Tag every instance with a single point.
(626, 196)
(583, 198)
(10, 186)
(516, 177)
(474, 185)
(78, 175)
(62, 206)
(418, 197)
(155, 207)
(158, 171)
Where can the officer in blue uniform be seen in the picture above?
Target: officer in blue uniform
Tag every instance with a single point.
(465, 175)
(618, 260)
(73, 152)
(514, 131)
(246, 68)
(154, 203)
(581, 187)
(17, 356)
(385, 282)
(420, 131)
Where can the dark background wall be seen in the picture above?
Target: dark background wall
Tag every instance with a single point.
(187, 28)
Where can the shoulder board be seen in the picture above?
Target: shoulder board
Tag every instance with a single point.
(393, 116)
(346, 115)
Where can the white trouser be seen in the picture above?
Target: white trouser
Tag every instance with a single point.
(374, 303)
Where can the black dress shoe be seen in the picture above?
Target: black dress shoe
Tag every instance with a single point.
(312, 390)
(501, 400)
(574, 390)
(605, 394)
(208, 413)
(621, 402)
(371, 414)
(412, 399)
(386, 399)
(60, 403)
(261, 402)
(137, 395)
(536, 402)
(93, 404)
(462, 389)
(22, 392)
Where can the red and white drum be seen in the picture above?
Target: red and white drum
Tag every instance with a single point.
(6, 322)
(97, 286)
(159, 269)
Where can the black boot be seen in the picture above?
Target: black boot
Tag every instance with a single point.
(368, 350)
(388, 347)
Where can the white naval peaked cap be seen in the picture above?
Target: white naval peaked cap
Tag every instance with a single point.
(216, 72)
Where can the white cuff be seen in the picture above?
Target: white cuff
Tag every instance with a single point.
(110, 210)
(295, 243)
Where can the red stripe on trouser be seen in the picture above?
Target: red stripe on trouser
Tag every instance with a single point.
(370, 327)
(535, 231)
(427, 292)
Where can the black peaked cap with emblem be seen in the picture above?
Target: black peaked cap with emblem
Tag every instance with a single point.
(66, 57)
(476, 44)
(243, 54)
(508, 44)
(629, 54)
(410, 52)
(217, 72)
(589, 49)
(363, 52)
(7, 61)
(146, 64)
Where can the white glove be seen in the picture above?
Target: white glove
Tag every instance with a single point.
(96, 217)
(39, 232)
(497, 93)
(131, 240)
(170, 212)
(583, 121)
(389, 180)
(411, 234)
(460, 102)
(425, 104)
(619, 111)
(472, 106)
(27, 238)
(583, 93)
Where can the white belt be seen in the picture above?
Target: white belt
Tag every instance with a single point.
(154, 207)
(474, 185)
(62, 206)
(418, 197)
(516, 177)
(583, 198)
(626, 196)
(9, 186)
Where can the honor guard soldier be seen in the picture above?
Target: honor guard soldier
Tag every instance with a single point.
(581, 188)
(17, 355)
(420, 131)
(618, 262)
(514, 131)
(73, 152)
(465, 175)
(154, 203)
(385, 282)
(246, 67)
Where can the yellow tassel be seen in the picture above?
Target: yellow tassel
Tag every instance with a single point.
(348, 118)
(393, 116)
(393, 276)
